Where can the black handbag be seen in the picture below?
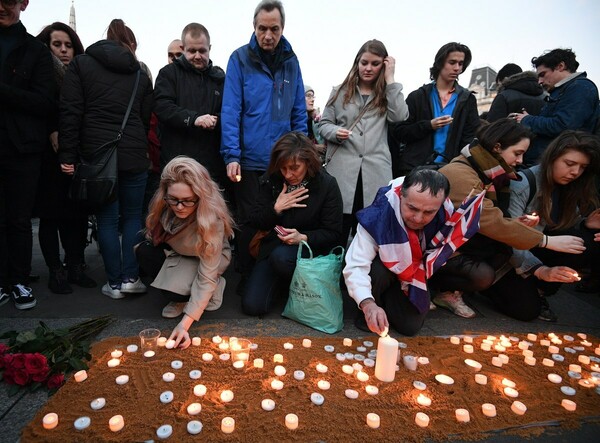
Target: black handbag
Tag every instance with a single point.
(94, 182)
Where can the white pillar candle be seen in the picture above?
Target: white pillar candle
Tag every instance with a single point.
(194, 427)
(518, 408)
(410, 363)
(362, 376)
(82, 423)
(569, 405)
(291, 421)
(455, 340)
(116, 353)
(373, 420)
(217, 339)
(149, 354)
(199, 390)
(122, 379)
(509, 383)
(194, 408)
(423, 400)
(497, 362)
(80, 376)
(162, 341)
(503, 358)
(548, 362)
(351, 394)
(116, 423)
(132, 348)
(267, 404)
(226, 396)
(444, 379)
(511, 392)
(50, 421)
(98, 403)
(114, 362)
(196, 341)
(462, 416)
(554, 378)
(422, 420)
(321, 368)
(227, 425)
(387, 356)
(488, 409)
(480, 379)
(531, 337)
(278, 358)
(207, 356)
(276, 384)
(299, 375)
(323, 384)
(530, 361)
(259, 363)
(306, 343)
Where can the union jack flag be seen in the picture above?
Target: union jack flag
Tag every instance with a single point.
(401, 249)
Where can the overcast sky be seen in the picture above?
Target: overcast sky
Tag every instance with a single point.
(326, 34)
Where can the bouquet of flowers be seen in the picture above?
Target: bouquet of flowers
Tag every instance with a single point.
(42, 357)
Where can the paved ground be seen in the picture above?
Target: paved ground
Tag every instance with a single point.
(577, 313)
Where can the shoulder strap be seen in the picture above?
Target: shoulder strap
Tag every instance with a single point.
(532, 184)
(131, 99)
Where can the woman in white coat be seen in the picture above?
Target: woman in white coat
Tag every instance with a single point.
(355, 123)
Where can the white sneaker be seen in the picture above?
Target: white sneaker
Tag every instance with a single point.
(216, 300)
(4, 296)
(453, 301)
(111, 292)
(173, 309)
(135, 287)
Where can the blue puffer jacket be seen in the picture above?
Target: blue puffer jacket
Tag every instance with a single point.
(251, 123)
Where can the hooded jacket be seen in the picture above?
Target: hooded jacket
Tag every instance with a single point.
(93, 101)
(183, 93)
(260, 106)
(517, 92)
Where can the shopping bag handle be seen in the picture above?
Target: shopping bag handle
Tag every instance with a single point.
(299, 255)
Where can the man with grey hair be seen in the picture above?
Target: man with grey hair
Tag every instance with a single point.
(253, 120)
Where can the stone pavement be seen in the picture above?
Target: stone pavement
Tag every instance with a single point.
(577, 313)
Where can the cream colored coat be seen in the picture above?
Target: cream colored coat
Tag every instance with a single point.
(367, 148)
(186, 274)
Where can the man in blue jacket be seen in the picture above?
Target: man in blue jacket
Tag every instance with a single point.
(572, 103)
(263, 99)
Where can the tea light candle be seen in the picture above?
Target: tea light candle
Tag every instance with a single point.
(586, 383)
(288, 346)
(149, 354)
(321, 368)
(116, 353)
(194, 427)
(586, 343)
(444, 379)
(239, 364)
(503, 358)
(410, 362)
(499, 348)
(518, 408)
(306, 343)
(132, 348)
(527, 353)
(299, 375)
(329, 348)
(530, 361)
(575, 368)
(50, 421)
(116, 423)
(369, 362)
(227, 425)
(419, 385)
(373, 420)
(98, 403)
(340, 357)
(455, 340)
(468, 349)
(194, 408)
(351, 394)
(196, 341)
(476, 366)
(422, 420)
(462, 416)
(584, 359)
(122, 379)
(347, 369)
(545, 342)
(161, 341)
(423, 400)
(278, 358)
(195, 374)
(291, 421)
(166, 397)
(486, 347)
(547, 362)
(253, 346)
(508, 383)
(224, 357)
(317, 398)
(80, 376)
(259, 363)
(347, 342)
(581, 335)
(217, 340)
(168, 377)
(323, 384)
(531, 337)
(387, 356)
(523, 345)
(468, 339)
(371, 390)
(553, 349)
(557, 357)
(368, 343)
(488, 409)
(224, 346)
(279, 370)
(170, 344)
(226, 396)
(207, 356)
(349, 356)
(361, 349)
(480, 379)
(199, 390)
(362, 376)
(82, 423)
(567, 390)
(164, 431)
(497, 362)
(554, 378)
(276, 384)
(423, 360)
(267, 404)
(569, 405)
(575, 375)
(114, 362)
(511, 392)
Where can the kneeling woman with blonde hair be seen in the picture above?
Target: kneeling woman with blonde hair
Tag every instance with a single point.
(187, 248)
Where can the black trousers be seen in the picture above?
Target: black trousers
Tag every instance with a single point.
(73, 236)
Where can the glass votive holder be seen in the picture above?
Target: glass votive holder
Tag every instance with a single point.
(239, 349)
(149, 339)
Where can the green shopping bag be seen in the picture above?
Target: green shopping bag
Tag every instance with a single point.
(315, 298)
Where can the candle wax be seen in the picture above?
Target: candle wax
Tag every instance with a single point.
(116, 423)
(291, 421)
(462, 415)
(50, 421)
(194, 427)
(227, 425)
(164, 431)
(422, 420)
(373, 420)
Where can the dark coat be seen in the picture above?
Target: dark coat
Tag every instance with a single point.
(517, 92)
(320, 220)
(417, 134)
(27, 93)
(183, 93)
(93, 101)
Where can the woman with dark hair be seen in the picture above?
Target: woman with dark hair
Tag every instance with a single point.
(489, 163)
(58, 216)
(355, 123)
(298, 201)
(566, 201)
(188, 227)
(94, 99)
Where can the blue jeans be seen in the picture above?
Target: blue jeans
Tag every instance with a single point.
(119, 259)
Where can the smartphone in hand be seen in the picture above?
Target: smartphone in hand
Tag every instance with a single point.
(280, 230)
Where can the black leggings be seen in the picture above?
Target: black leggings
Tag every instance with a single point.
(349, 221)
(73, 236)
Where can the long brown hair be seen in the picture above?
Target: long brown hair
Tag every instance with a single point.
(211, 210)
(118, 32)
(379, 102)
(579, 196)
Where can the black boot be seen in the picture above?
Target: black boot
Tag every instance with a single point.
(58, 283)
(79, 278)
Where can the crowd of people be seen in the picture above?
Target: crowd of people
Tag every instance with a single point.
(239, 167)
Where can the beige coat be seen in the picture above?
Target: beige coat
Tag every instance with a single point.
(367, 148)
(186, 274)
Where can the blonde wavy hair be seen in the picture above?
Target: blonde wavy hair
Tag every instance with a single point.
(211, 209)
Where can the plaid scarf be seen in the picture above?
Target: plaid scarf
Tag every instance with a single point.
(497, 171)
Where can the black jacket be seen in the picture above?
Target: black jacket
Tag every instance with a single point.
(416, 133)
(183, 93)
(93, 101)
(517, 92)
(320, 220)
(27, 93)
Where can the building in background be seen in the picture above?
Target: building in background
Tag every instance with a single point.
(72, 22)
(483, 84)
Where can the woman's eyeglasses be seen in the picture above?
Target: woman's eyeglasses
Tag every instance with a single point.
(174, 202)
